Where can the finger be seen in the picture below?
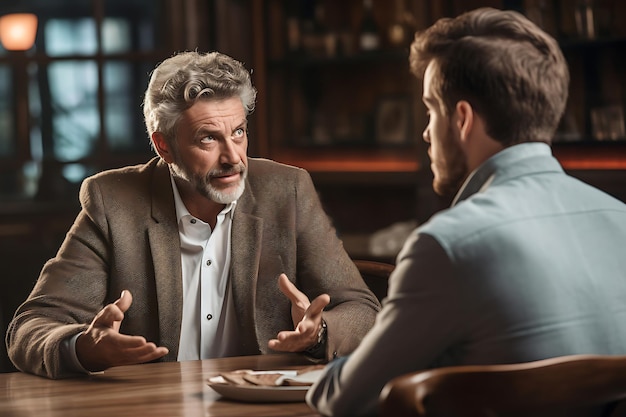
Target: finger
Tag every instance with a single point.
(137, 345)
(317, 306)
(156, 353)
(145, 353)
(292, 292)
(123, 341)
(285, 342)
(310, 323)
(108, 339)
(102, 349)
(274, 344)
(290, 341)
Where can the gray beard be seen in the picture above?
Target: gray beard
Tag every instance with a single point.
(203, 185)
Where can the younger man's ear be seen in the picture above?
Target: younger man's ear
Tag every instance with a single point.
(464, 119)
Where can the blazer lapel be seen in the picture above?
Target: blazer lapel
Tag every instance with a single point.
(247, 231)
(165, 248)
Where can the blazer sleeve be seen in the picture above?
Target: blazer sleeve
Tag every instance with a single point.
(70, 291)
(325, 267)
(421, 317)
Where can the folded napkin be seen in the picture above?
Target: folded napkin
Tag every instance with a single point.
(300, 377)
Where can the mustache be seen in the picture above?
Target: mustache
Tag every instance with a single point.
(230, 170)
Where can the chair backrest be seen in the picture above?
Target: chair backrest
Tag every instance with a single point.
(576, 382)
(375, 274)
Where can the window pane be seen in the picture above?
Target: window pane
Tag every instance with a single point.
(145, 32)
(143, 17)
(75, 173)
(124, 86)
(7, 126)
(35, 113)
(70, 37)
(119, 112)
(116, 36)
(75, 120)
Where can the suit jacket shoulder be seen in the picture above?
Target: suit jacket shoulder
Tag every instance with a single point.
(532, 197)
(265, 174)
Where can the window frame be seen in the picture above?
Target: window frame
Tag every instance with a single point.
(174, 32)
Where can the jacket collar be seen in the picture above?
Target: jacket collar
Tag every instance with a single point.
(514, 161)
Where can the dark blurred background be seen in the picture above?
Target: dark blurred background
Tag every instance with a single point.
(335, 97)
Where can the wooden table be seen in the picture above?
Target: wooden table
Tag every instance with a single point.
(168, 389)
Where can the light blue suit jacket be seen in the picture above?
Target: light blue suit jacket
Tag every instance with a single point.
(527, 264)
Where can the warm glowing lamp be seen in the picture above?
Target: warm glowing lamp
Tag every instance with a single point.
(18, 31)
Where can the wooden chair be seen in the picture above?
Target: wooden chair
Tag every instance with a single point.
(375, 274)
(575, 383)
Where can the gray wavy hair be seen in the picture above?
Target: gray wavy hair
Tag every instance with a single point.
(183, 79)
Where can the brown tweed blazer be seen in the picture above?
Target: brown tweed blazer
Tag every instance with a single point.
(126, 237)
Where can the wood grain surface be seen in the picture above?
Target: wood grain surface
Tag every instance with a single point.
(168, 389)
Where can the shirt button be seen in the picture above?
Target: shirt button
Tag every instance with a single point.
(209, 316)
(208, 262)
(192, 221)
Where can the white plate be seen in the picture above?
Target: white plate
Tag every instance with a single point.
(264, 394)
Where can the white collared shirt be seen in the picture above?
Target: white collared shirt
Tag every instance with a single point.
(208, 327)
(205, 260)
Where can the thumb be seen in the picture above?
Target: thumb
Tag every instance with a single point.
(125, 300)
(113, 314)
(123, 303)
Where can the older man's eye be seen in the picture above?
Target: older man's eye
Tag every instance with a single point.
(239, 132)
(207, 139)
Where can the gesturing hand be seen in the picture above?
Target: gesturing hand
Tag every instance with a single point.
(102, 346)
(306, 316)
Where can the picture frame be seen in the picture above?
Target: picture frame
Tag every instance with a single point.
(393, 120)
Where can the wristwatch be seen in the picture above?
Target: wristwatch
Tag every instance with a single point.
(318, 350)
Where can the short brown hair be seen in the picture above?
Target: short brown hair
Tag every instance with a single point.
(512, 72)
